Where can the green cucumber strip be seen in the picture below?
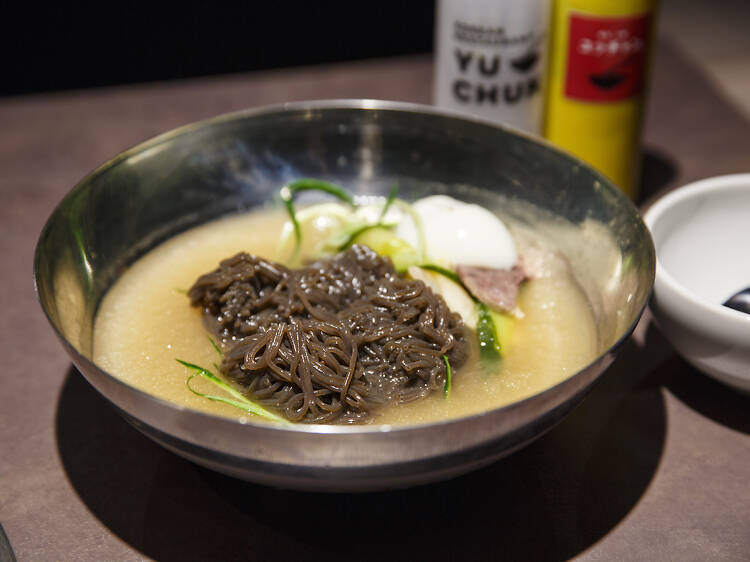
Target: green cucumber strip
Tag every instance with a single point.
(503, 329)
(239, 401)
(311, 212)
(236, 403)
(311, 184)
(365, 227)
(453, 276)
(215, 346)
(356, 232)
(489, 347)
(448, 377)
(308, 184)
(388, 202)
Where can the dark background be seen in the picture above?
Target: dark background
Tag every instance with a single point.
(62, 46)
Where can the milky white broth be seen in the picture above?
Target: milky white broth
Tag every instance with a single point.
(145, 322)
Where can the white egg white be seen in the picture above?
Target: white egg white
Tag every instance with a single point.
(458, 233)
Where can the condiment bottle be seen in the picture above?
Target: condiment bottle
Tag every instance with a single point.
(599, 58)
(490, 59)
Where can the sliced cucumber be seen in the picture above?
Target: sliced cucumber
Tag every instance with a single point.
(382, 240)
(503, 329)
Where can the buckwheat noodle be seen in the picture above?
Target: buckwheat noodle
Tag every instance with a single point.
(331, 341)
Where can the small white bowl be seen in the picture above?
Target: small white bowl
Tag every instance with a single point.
(701, 234)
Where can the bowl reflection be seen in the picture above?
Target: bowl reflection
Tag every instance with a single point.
(237, 162)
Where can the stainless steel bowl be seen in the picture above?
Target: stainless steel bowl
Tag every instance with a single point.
(236, 162)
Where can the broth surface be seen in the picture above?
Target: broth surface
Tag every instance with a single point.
(145, 322)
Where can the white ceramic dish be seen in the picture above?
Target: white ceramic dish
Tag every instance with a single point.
(702, 237)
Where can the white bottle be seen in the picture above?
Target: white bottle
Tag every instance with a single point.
(490, 59)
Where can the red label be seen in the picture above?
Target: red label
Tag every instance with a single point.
(606, 57)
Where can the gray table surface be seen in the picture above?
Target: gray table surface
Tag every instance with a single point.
(655, 464)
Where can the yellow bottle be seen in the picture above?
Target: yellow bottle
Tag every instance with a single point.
(599, 56)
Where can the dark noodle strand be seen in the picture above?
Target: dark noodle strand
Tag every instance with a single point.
(330, 342)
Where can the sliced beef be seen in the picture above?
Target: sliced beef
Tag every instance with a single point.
(497, 288)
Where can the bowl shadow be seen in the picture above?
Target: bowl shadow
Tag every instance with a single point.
(548, 501)
(710, 398)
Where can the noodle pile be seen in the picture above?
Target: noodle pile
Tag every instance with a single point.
(331, 341)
